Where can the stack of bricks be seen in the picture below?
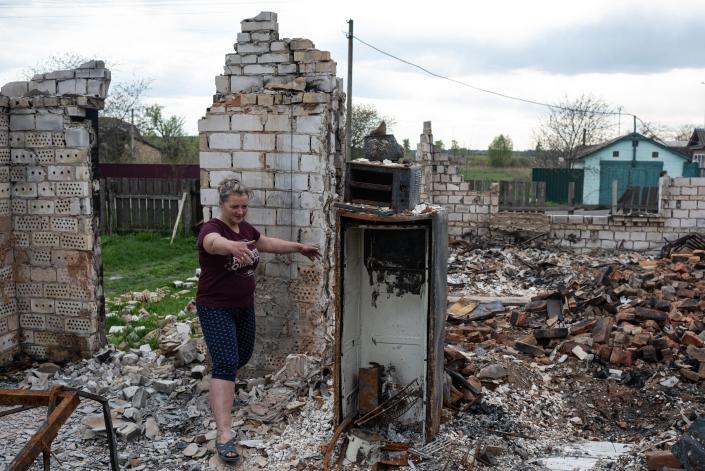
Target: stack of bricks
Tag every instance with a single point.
(276, 124)
(468, 208)
(47, 144)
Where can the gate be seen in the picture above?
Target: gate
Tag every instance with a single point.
(627, 174)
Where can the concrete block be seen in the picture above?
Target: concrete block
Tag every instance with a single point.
(243, 37)
(249, 26)
(267, 36)
(262, 216)
(24, 190)
(311, 55)
(77, 137)
(283, 69)
(276, 122)
(233, 59)
(248, 160)
(688, 222)
(252, 48)
(259, 180)
(259, 69)
(294, 143)
(15, 89)
(289, 181)
(278, 199)
(217, 176)
(310, 163)
(244, 84)
(301, 217)
(286, 162)
(310, 201)
(680, 181)
(247, 122)
(309, 124)
(696, 213)
(689, 190)
(222, 84)
(264, 142)
(279, 46)
(297, 44)
(224, 141)
(274, 57)
(215, 160)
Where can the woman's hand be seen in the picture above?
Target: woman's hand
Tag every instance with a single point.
(241, 253)
(310, 251)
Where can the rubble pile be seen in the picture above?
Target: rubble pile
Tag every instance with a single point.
(161, 415)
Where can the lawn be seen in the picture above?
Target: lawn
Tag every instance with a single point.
(496, 174)
(139, 262)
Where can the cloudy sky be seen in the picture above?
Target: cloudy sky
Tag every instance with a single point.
(646, 57)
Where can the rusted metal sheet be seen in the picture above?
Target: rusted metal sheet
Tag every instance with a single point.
(370, 391)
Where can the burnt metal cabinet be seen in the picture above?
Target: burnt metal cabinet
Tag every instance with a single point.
(390, 306)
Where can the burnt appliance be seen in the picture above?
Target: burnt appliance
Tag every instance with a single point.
(396, 186)
(390, 315)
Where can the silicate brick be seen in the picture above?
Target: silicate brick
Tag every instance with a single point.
(24, 190)
(45, 239)
(76, 241)
(80, 325)
(72, 188)
(41, 207)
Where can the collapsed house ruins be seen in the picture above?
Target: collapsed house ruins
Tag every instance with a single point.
(538, 345)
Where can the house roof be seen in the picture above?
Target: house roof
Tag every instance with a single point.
(698, 138)
(589, 150)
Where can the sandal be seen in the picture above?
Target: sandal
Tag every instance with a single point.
(227, 451)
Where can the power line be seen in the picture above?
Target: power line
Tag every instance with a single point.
(492, 92)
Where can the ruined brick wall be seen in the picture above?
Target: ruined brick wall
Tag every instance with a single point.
(276, 124)
(469, 210)
(683, 212)
(48, 185)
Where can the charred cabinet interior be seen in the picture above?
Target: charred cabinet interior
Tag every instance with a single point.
(390, 282)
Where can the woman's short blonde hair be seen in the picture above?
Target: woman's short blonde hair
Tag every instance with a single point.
(232, 186)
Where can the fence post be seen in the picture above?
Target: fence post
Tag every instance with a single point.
(614, 196)
(571, 193)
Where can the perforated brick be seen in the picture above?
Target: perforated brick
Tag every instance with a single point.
(76, 241)
(21, 239)
(41, 207)
(74, 308)
(4, 154)
(31, 223)
(4, 139)
(5, 274)
(45, 156)
(23, 157)
(57, 290)
(5, 208)
(61, 258)
(4, 173)
(38, 139)
(40, 257)
(64, 224)
(38, 352)
(55, 323)
(80, 291)
(23, 305)
(5, 189)
(18, 174)
(72, 156)
(19, 206)
(7, 291)
(80, 325)
(60, 173)
(4, 325)
(7, 308)
(24, 190)
(46, 338)
(33, 321)
(59, 139)
(68, 206)
(36, 174)
(45, 239)
(28, 290)
(42, 305)
(45, 189)
(72, 189)
(17, 139)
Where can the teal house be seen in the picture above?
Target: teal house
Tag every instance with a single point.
(632, 160)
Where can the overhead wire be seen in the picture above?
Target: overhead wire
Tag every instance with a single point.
(496, 93)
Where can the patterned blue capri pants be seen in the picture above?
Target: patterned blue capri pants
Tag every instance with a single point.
(230, 337)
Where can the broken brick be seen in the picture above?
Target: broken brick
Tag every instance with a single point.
(648, 353)
(689, 338)
(620, 356)
(603, 328)
(661, 459)
(652, 314)
(529, 349)
(556, 333)
(582, 326)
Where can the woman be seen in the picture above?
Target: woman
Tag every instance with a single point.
(228, 253)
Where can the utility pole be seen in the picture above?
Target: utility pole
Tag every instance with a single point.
(348, 121)
(132, 133)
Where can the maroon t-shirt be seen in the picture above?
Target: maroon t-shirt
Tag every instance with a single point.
(224, 281)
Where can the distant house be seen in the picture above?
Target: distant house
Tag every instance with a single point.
(632, 160)
(696, 147)
(116, 144)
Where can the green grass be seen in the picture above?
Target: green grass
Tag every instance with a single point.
(135, 262)
(496, 174)
(145, 261)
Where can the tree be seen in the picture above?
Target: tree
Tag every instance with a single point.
(166, 133)
(500, 151)
(365, 118)
(560, 133)
(407, 150)
(439, 145)
(683, 132)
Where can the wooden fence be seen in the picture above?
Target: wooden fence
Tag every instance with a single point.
(638, 199)
(148, 204)
(522, 196)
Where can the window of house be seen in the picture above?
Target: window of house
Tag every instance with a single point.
(615, 153)
(654, 155)
(700, 159)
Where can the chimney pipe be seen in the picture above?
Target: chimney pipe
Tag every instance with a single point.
(584, 136)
